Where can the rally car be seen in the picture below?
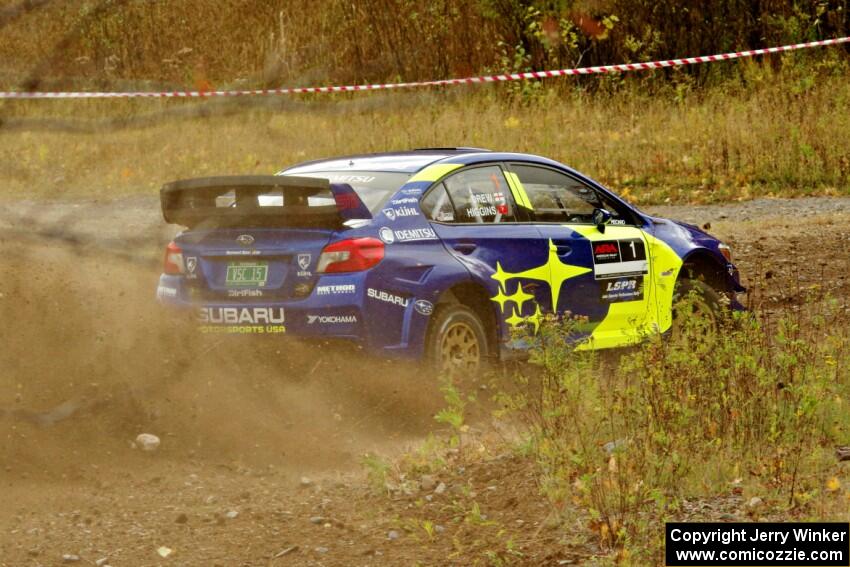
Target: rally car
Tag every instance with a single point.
(435, 253)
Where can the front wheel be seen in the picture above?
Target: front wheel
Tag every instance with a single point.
(457, 341)
(696, 303)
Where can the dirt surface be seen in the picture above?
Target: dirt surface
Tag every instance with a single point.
(88, 363)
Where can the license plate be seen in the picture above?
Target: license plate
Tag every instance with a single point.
(252, 274)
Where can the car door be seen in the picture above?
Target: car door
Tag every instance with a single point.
(476, 216)
(600, 277)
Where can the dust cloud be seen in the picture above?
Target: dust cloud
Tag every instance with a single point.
(89, 361)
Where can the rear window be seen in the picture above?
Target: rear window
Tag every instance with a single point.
(373, 187)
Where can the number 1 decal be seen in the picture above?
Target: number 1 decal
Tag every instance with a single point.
(619, 258)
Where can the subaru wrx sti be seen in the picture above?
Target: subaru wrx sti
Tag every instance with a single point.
(435, 253)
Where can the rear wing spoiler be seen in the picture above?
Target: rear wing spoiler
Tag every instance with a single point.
(260, 200)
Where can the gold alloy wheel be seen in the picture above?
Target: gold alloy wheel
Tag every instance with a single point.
(697, 307)
(459, 349)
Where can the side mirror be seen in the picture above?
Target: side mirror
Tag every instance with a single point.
(600, 218)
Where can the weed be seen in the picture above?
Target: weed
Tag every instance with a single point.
(377, 470)
(682, 416)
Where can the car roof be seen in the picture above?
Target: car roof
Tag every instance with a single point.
(410, 161)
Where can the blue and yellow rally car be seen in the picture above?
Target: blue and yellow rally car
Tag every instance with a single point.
(434, 253)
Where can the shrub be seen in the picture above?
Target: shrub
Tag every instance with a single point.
(627, 440)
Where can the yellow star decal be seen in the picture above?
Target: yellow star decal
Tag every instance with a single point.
(514, 320)
(520, 297)
(554, 272)
(535, 318)
(501, 299)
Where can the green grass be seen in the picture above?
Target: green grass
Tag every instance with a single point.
(760, 406)
(776, 134)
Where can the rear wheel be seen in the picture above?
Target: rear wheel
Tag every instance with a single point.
(695, 299)
(457, 341)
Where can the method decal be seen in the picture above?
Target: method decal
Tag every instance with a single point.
(337, 289)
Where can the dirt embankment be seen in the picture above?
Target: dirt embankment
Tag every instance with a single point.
(88, 362)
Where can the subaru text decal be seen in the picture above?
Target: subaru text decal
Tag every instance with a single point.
(387, 297)
(241, 315)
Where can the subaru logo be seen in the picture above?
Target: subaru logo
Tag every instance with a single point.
(245, 239)
(423, 307)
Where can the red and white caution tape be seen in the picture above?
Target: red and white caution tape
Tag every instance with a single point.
(623, 67)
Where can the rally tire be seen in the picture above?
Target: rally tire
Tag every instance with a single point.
(694, 297)
(457, 341)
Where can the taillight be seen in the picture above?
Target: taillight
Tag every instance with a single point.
(173, 263)
(726, 251)
(352, 255)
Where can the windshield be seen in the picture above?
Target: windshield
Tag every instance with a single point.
(373, 187)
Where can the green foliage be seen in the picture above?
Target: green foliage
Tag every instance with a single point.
(298, 42)
(378, 471)
(454, 411)
(681, 417)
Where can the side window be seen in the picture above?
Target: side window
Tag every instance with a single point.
(557, 197)
(480, 195)
(437, 206)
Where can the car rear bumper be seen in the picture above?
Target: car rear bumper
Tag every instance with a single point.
(382, 329)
